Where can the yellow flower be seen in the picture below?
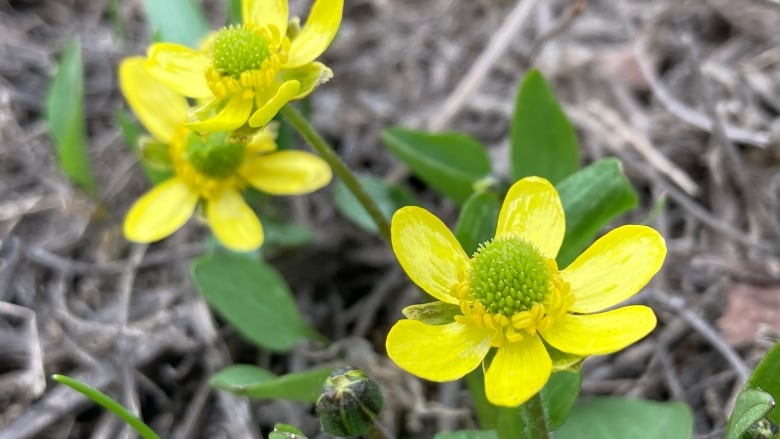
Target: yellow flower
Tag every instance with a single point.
(214, 168)
(246, 73)
(511, 296)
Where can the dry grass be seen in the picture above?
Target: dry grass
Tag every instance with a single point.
(687, 94)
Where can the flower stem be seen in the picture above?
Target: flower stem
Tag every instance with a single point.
(528, 420)
(304, 128)
(535, 417)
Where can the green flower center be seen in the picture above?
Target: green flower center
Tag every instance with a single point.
(214, 155)
(508, 276)
(238, 49)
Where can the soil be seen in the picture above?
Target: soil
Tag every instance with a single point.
(686, 94)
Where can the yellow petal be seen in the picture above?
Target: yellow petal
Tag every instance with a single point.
(160, 109)
(437, 353)
(532, 210)
(231, 116)
(233, 222)
(615, 267)
(309, 76)
(264, 140)
(261, 13)
(428, 252)
(317, 34)
(160, 211)
(602, 333)
(518, 371)
(268, 109)
(287, 173)
(180, 68)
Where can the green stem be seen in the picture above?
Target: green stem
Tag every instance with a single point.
(529, 420)
(304, 128)
(535, 417)
(101, 398)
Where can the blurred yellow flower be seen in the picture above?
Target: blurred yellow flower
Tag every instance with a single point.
(212, 168)
(246, 73)
(511, 296)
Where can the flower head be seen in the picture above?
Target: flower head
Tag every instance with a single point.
(212, 169)
(511, 296)
(246, 73)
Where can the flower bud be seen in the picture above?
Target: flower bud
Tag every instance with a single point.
(349, 403)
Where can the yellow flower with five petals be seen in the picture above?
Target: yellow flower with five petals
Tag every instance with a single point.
(511, 296)
(246, 73)
(213, 168)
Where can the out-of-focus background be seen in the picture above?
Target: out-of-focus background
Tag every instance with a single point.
(686, 94)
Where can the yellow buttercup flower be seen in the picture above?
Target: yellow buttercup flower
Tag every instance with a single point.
(246, 73)
(213, 168)
(510, 295)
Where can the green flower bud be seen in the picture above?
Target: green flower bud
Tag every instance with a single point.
(349, 403)
(763, 429)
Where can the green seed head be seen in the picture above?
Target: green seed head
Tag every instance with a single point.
(238, 50)
(508, 276)
(214, 155)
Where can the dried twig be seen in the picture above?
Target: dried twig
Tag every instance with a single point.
(476, 74)
(677, 304)
(686, 113)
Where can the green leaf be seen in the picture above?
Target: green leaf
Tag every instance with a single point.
(177, 21)
(620, 418)
(65, 117)
(388, 197)
(477, 220)
(109, 404)
(766, 377)
(750, 407)
(543, 142)
(132, 132)
(559, 395)
(255, 382)
(253, 297)
(285, 431)
(487, 413)
(591, 198)
(468, 434)
(280, 235)
(451, 163)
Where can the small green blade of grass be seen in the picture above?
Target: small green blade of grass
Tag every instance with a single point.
(109, 404)
(65, 117)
